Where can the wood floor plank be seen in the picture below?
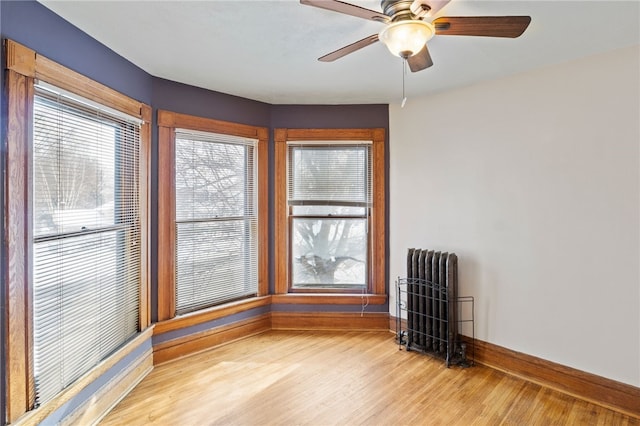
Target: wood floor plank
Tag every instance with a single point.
(341, 378)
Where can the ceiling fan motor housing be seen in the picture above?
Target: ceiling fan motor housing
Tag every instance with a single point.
(400, 10)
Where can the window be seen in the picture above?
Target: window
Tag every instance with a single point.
(216, 219)
(76, 232)
(330, 203)
(212, 215)
(86, 236)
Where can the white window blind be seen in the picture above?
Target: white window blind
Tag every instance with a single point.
(216, 219)
(331, 174)
(329, 197)
(86, 228)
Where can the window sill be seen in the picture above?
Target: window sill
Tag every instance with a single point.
(199, 317)
(41, 413)
(328, 298)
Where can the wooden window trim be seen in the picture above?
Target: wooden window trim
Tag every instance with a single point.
(168, 122)
(18, 306)
(377, 270)
(166, 221)
(23, 67)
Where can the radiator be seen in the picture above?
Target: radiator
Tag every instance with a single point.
(431, 302)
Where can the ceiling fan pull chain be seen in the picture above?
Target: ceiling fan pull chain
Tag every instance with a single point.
(404, 73)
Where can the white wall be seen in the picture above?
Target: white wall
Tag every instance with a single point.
(534, 181)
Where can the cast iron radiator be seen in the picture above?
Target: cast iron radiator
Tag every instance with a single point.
(428, 299)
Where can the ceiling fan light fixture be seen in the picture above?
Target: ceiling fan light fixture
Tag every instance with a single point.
(406, 38)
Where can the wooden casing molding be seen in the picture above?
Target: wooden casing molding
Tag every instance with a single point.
(377, 269)
(18, 307)
(23, 67)
(599, 390)
(29, 63)
(20, 59)
(166, 223)
(145, 212)
(168, 122)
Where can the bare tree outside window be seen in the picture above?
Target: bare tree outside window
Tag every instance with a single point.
(75, 184)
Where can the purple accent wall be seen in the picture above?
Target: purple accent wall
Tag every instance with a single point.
(192, 100)
(330, 116)
(35, 26)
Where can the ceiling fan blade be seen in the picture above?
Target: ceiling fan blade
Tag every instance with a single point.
(337, 54)
(483, 26)
(348, 9)
(420, 60)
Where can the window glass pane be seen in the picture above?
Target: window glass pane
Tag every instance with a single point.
(211, 179)
(216, 262)
(74, 169)
(329, 173)
(329, 253)
(85, 306)
(216, 215)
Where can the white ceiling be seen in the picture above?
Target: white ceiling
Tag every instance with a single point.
(266, 49)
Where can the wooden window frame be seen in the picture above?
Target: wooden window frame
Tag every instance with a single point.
(377, 268)
(23, 67)
(168, 122)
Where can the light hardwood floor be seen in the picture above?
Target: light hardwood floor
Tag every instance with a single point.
(341, 378)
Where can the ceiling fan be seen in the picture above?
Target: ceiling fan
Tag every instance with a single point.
(408, 27)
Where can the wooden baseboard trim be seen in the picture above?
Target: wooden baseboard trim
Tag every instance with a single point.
(599, 390)
(103, 401)
(355, 321)
(197, 342)
(208, 339)
(608, 393)
(393, 323)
